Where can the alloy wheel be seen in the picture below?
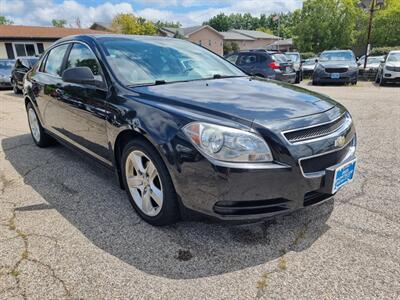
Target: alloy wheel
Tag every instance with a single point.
(144, 183)
(34, 124)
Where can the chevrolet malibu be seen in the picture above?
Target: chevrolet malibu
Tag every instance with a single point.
(187, 131)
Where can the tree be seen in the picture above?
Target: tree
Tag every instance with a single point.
(129, 24)
(5, 21)
(220, 22)
(325, 24)
(161, 24)
(59, 22)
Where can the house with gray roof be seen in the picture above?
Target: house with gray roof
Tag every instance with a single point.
(203, 35)
(249, 39)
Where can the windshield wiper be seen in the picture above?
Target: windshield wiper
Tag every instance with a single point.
(217, 76)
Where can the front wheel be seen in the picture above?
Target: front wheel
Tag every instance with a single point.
(39, 136)
(148, 184)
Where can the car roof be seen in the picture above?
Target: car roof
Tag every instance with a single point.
(338, 50)
(394, 51)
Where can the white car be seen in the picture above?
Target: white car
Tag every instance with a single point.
(389, 69)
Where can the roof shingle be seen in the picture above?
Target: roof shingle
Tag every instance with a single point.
(35, 32)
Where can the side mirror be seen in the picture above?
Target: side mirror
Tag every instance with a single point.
(82, 75)
(316, 61)
(302, 61)
(358, 63)
(382, 61)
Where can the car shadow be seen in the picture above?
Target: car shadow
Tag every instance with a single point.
(89, 197)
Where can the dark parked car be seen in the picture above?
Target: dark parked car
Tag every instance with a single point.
(336, 66)
(6, 66)
(21, 67)
(264, 64)
(308, 65)
(295, 57)
(185, 130)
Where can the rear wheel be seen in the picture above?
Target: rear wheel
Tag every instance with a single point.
(148, 184)
(39, 136)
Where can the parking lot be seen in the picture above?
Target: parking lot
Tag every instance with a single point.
(68, 231)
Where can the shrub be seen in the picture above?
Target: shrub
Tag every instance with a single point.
(382, 50)
(307, 55)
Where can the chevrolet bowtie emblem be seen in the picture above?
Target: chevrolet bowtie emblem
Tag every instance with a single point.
(340, 141)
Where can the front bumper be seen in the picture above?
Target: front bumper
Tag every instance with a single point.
(5, 83)
(253, 192)
(323, 77)
(391, 75)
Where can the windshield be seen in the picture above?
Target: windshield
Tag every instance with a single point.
(293, 57)
(394, 57)
(150, 61)
(374, 59)
(337, 55)
(280, 58)
(6, 64)
(309, 62)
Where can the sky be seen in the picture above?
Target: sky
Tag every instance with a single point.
(187, 12)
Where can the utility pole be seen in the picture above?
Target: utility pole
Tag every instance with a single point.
(369, 5)
(367, 49)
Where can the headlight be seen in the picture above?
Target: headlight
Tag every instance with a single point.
(227, 144)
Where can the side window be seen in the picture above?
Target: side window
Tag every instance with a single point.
(232, 58)
(81, 56)
(55, 59)
(247, 59)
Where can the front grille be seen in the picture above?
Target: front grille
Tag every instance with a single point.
(394, 69)
(320, 163)
(314, 132)
(336, 70)
(255, 207)
(314, 197)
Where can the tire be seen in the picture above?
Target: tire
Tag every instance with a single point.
(382, 81)
(16, 90)
(377, 78)
(297, 80)
(154, 199)
(39, 136)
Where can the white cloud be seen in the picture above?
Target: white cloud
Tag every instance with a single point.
(41, 12)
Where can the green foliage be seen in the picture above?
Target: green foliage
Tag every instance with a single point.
(59, 22)
(306, 55)
(325, 24)
(382, 50)
(161, 24)
(5, 21)
(230, 47)
(281, 26)
(129, 24)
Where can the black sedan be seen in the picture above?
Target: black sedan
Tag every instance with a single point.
(21, 67)
(185, 130)
(336, 66)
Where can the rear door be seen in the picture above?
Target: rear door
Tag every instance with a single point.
(248, 62)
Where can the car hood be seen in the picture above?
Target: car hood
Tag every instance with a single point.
(240, 98)
(338, 64)
(392, 64)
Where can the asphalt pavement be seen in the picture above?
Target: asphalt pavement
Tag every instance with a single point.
(68, 232)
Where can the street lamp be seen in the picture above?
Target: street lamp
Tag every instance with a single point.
(371, 6)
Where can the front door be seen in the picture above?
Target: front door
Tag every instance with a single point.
(85, 106)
